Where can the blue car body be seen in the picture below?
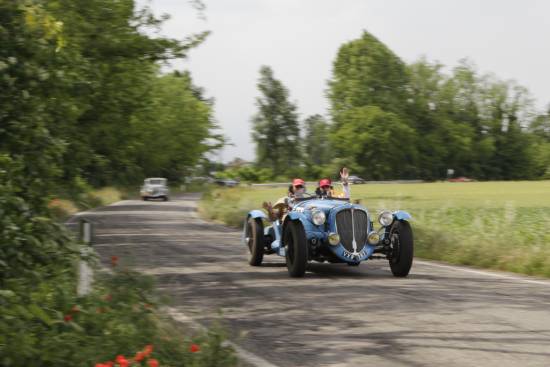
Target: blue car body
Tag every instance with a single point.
(352, 222)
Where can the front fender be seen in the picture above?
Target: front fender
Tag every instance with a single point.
(402, 215)
(298, 216)
(311, 229)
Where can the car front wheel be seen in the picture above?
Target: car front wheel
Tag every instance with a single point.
(402, 242)
(296, 249)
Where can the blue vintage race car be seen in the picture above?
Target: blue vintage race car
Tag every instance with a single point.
(332, 230)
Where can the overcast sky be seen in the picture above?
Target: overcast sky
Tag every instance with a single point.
(299, 40)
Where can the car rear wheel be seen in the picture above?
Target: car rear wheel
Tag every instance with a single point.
(296, 249)
(254, 237)
(401, 258)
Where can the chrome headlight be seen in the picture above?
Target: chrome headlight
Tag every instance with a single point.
(333, 239)
(385, 218)
(318, 217)
(373, 238)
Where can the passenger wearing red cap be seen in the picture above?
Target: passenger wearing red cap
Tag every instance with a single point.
(326, 190)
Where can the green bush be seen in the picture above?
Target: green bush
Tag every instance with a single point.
(47, 324)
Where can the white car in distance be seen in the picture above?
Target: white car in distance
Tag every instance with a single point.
(154, 188)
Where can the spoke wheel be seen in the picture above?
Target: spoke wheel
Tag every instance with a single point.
(254, 237)
(296, 249)
(402, 252)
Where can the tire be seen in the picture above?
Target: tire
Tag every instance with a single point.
(403, 249)
(296, 249)
(255, 241)
(165, 198)
(144, 198)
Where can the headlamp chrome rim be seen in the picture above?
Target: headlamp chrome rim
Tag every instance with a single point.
(385, 218)
(318, 217)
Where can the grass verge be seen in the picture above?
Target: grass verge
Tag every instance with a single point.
(495, 225)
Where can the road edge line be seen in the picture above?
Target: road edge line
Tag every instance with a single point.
(243, 355)
(488, 273)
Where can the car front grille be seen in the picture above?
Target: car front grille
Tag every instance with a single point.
(345, 229)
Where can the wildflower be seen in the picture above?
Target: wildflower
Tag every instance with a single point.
(139, 356)
(194, 348)
(68, 318)
(153, 362)
(122, 361)
(109, 364)
(108, 297)
(148, 350)
(75, 309)
(114, 261)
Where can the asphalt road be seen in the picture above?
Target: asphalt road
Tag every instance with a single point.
(337, 315)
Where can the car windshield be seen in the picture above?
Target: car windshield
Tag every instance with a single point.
(157, 181)
(298, 200)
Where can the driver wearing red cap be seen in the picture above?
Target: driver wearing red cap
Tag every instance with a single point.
(298, 188)
(295, 191)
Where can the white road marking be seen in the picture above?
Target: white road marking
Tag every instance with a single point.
(481, 272)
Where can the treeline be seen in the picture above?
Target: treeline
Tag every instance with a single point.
(83, 101)
(391, 120)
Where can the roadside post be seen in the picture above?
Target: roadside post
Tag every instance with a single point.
(85, 273)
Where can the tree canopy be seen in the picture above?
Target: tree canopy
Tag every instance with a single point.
(276, 129)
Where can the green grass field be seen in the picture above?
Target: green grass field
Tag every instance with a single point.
(497, 225)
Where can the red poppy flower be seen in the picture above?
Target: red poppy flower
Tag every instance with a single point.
(148, 350)
(139, 356)
(100, 365)
(122, 361)
(109, 364)
(68, 318)
(114, 260)
(194, 348)
(153, 363)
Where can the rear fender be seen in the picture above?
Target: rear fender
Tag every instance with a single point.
(257, 214)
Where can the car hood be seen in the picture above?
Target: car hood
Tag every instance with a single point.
(322, 204)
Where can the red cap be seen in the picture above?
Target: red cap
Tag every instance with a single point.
(324, 182)
(298, 182)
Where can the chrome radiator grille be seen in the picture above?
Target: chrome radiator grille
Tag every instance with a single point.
(346, 228)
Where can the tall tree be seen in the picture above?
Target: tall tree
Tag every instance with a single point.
(367, 73)
(276, 129)
(379, 143)
(316, 140)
